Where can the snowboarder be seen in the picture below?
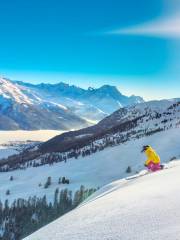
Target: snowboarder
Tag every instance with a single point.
(153, 159)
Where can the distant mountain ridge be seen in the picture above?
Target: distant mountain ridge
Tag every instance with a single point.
(56, 106)
(93, 104)
(78, 93)
(21, 109)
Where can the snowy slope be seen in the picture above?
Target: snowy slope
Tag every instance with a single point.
(123, 125)
(146, 208)
(92, 171)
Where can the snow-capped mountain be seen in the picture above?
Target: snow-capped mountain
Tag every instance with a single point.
(58, 106)
(92, 104)
(19, 110)
(122, 126)
(144, 208)
(126, 123)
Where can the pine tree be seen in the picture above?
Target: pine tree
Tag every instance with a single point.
(8, 192)
(56, 198)
(128, 170)
(63, 180)
(11, 178)
(76, 199)
(81, 193)
(48, 183)
(59, 180)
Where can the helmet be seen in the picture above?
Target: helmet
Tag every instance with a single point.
(144, 148)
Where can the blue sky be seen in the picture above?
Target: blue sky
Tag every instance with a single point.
(131, 44)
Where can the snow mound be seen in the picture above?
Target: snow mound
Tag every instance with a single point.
(143, 208)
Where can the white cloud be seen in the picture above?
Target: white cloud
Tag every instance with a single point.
(166, 27)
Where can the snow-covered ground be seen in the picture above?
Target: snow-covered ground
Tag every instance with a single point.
(95, 170)
(145, 208)
(22, 136)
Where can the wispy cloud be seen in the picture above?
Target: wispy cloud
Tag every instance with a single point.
(166, 27)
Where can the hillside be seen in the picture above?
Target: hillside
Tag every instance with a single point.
(124, 125)
(94, 170)
(143, 208)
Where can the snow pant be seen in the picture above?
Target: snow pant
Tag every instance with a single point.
(154, 166)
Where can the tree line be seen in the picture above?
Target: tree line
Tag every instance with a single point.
(23, 217)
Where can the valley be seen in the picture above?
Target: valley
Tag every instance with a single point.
(13, 142)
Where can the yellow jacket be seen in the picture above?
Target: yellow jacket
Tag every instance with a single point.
(152, 156)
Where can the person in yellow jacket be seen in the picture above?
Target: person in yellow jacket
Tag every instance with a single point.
(153, 162)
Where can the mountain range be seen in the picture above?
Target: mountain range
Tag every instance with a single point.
(124, 125)
(56, 106)
(99, 155)
(20, 109)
